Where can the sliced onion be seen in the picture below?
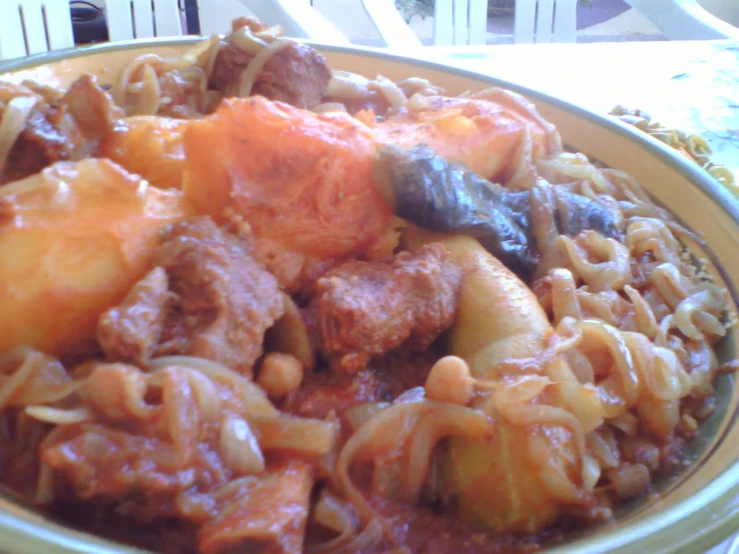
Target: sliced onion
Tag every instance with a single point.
(58, 416)
(626, 422)
(247, 42)
(150, 94)
(358, 415)
(347, 85)
(255, 66)
(255, 399)
(121, 84)
(239, 448)
(334, 514)
(29, 361)
(607, 454)
(390, 91)
(590, 472)
(308, 436)
(394, 431)
(418, 102)
(366, 541)
(206, 396)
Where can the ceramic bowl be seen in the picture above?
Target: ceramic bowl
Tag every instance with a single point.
(698, 507)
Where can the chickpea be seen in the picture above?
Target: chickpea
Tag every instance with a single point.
(449, 381)
(280, 374)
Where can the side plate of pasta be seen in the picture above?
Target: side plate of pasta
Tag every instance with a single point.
(258, 295)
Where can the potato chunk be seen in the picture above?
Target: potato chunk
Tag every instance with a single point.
(150, 146)
(73, 240)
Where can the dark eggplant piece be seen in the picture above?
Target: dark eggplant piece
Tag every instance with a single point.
(435, 194)
(577, 213)
(427, 190)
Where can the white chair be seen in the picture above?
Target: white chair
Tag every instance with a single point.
(459, 22)
(129, 19)
(34, 26)
(545, 21)
(684, 20)
(298, 18)
(455, 22)
(391, 26)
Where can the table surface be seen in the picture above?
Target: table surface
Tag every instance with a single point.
(688, 85)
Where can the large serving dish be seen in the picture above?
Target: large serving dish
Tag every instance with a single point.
(696, 507)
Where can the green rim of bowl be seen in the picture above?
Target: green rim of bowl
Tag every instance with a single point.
(691, 526)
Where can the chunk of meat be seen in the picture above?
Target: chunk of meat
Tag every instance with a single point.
(231, 60)
(207, 297)
(297, 75)
(300, 179)
(227, 69)
(92, 108)
(324, 392)
(142, 474)
(385, 378)
(364, 309)
(132, 330)
(266, 515)
(56, 129)
(223, 300)
(74, 239)
(39, 145)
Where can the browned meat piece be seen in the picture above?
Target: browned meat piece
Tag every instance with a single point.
(132, 330)
(265, 516)
(224, 301)
(230, 63)
(40, 144)
(231, 60)
(66, 128)
(141, 474)
(207, 297)
(364, 309)
(297, 74)
(92, 109)
(322, 393)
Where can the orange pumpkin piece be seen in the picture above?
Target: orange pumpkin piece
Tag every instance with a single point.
(484, 134)
(300, 179)
(150, 146)
(73, 240)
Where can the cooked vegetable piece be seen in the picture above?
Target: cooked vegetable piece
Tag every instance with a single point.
(431, 192)
(485, 133)
(280, 374)
(301, 179)
(289, 335)
(73, 240)
(500, 319)
(427, 190)
(150, 146)
(449, 381)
